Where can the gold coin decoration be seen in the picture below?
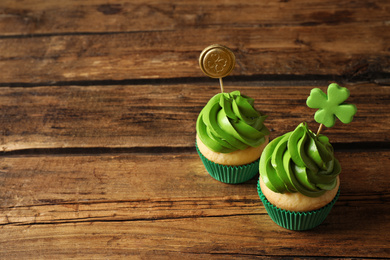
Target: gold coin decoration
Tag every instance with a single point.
(217, 61)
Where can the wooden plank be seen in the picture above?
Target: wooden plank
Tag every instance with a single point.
(128, 204)
(165, 115)
(89, 187)
(220, 238)
(350, 51)
(110, 188)
(53, 17)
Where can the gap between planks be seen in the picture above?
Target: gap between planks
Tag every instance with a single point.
(253, 80)
(339, 147)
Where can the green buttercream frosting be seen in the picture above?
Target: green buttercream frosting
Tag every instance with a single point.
(300, 161)
(229, 122)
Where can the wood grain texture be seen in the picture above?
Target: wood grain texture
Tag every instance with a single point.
(99, 16)
(233, 237)
(325, 50)
(94, 40)
(55, 189)
(99, 101)
(165, 115)
(128, 205)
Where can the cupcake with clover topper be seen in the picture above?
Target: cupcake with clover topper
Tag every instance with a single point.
(299, 175)
(230, 131)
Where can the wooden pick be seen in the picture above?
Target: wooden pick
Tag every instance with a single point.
(320, 129)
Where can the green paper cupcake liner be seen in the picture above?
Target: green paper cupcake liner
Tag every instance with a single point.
(296, 220)
(230, 174)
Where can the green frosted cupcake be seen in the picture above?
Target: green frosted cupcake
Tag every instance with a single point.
(299, 175)
(299, 182)
(230, 137)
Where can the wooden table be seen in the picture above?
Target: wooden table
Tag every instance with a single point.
(98, 106)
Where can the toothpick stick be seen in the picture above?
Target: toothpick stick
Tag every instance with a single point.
(221, 84)
(320, 129)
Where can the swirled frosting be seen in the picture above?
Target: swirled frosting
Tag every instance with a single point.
(299, 161)
(229, 122)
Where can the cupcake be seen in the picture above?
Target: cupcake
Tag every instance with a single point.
(231, 137)
(230, 131)
(299, 175)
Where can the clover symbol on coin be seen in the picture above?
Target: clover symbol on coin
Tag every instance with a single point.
(331, 105)
(217, 63)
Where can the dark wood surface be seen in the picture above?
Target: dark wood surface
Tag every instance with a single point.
(98, 108)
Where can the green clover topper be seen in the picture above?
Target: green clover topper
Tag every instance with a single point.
(331, 105)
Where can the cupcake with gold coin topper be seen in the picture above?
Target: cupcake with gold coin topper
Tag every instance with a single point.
(299, 175)
(230, 130)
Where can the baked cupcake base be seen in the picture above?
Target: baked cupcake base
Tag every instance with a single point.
(235, 167)
(296, 220)
(230, 174)
(297, 201)
(239, 157)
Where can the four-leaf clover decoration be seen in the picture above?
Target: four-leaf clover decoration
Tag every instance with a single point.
(331, 105)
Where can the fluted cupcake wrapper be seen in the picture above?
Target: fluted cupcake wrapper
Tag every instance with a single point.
(296, 220)
(230, 174)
